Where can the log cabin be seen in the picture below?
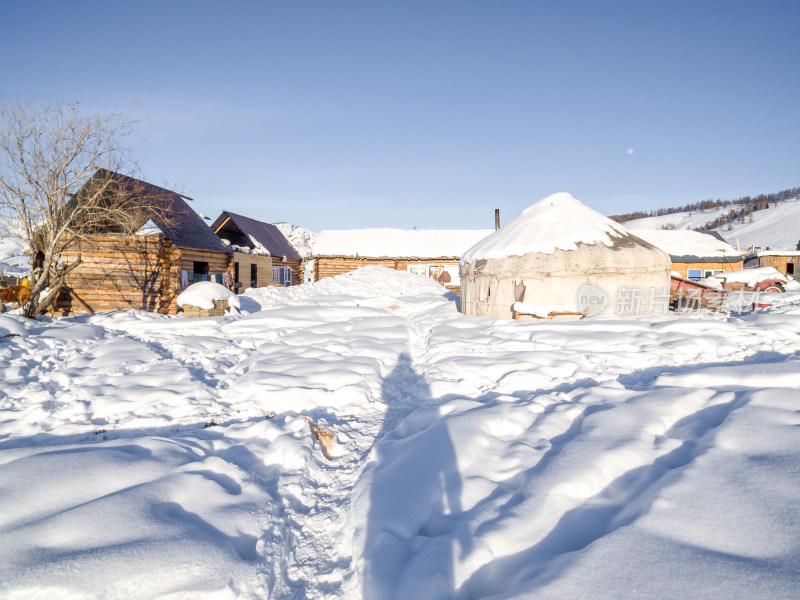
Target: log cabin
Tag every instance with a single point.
(786, 261)
(262, 254)
(171, 249)
(695, 255)
(427, 252)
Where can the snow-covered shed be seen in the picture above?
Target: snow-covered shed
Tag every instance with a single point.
(785, 261)
(695, 254)
(432, 253)
(172, 248)
(263, 256)
(558, 255)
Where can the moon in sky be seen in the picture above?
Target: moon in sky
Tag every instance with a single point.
(630, 150)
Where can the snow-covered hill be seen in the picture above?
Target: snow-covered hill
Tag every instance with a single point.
(149, 456)
(300, 238)
(776, 227)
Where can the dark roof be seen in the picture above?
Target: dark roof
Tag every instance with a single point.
(692, 258)
(265, 234)
(716, 234)
(167, 209)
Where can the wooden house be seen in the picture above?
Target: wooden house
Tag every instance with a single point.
(262, 254)
(430, 253)
(695, 255)
(786, 261)
(172, 248)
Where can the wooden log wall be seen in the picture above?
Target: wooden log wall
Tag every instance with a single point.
(130, 273)
(263, 269)
(297, 268)
(330, 266)
(780, 263)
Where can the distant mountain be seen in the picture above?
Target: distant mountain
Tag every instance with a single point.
(776, 227)
(300, 238)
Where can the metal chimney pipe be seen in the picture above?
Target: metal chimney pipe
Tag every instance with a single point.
(496, 219)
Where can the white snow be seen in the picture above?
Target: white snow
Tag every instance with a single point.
(678, 242)
(408, 243)
(301, 239)
(681, 220)
(751, 277)
(11, 326)
(203, 294)
(558, 221)
(148, 456)
(13, 260)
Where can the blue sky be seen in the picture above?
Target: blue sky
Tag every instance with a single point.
(335, 115)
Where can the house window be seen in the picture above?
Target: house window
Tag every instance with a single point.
(282, 276)
(789, 268)
(418, 269)
(236, 272)
(200, 271)
(694, 274)
(711, 273)
(253, 276)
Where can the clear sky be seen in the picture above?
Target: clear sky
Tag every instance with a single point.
(429, 114)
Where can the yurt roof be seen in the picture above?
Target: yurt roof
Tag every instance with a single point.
(386, 242)
(558, 221)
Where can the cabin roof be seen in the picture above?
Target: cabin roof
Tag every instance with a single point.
(169, 211)
(264, 234)
(688, 246)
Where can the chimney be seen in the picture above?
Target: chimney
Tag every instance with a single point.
(496, 219)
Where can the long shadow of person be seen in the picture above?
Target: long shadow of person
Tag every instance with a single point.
(414, 489)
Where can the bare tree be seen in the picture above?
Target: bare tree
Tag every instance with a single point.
(56, 167)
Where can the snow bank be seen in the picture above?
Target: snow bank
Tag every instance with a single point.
(148, 456)
(203, 294)
(11, 326)
(558, 221)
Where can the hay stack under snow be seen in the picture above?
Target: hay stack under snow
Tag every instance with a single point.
(548, 256)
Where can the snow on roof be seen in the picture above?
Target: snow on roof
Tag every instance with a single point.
(382, 242)
(775, 253)
(682, 243)
(558, 221)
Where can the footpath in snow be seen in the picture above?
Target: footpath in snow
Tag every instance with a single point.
(146, 456)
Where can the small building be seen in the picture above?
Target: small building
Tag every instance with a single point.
(427, 252)
(695, 255)
(786, 261)
(172, 248)
(559, 257)
(262, 254)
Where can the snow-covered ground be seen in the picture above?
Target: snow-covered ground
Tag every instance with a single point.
(13, 260)
(775, 227)
(148, 456)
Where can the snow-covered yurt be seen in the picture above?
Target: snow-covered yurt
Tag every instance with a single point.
(561, 257)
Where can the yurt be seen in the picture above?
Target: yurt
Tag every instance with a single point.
(559, 257)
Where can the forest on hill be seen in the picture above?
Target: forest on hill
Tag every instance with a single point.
(740, 209)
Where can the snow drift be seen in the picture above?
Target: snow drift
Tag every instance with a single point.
(148, 456)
